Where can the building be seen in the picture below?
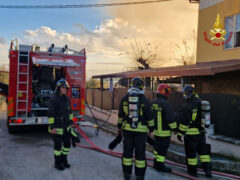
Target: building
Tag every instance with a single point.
(215, 74)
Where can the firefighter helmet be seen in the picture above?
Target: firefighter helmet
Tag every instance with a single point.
(137, 82)
(164, 89)
(188, 92)
(60, 83)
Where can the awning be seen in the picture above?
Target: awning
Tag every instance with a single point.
(199, 69)
(54, 61)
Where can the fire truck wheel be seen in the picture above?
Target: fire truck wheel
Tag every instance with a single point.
(12, 130)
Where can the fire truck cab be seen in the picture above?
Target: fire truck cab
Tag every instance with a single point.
(32, 78)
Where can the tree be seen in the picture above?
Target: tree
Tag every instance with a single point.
(93, 83)
(143, 55)
(4, 75)
(187, 54)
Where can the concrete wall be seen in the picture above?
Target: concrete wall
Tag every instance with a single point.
(207, 17)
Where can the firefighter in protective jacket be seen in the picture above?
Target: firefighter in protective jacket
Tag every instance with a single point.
(135, 120)
(60, 121)
(194, 134)
(164, 124)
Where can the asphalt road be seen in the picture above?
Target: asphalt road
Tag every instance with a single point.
(29, 156)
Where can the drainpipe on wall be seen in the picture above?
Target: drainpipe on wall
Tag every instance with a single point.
(111, 85)
(182, 82)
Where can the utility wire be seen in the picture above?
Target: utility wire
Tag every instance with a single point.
(77, 5)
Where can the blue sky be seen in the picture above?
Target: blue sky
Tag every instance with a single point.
(16, 21)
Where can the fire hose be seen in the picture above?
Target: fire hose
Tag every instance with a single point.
(118, 154)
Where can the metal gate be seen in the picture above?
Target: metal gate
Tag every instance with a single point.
(225, 113)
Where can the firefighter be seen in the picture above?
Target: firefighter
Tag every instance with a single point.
(135, 120)
(164, 125)
(194, 133)
(60, 120)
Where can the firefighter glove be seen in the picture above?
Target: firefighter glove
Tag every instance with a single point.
(115, 142)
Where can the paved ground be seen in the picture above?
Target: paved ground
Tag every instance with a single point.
(29, 156)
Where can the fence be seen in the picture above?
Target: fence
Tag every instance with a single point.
(225, 108)
(111, 100)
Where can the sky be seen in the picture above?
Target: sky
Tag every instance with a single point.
(106, 33)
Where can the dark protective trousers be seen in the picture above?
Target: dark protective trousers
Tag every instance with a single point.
(134, 141)
(62, 145)
(197, 144)
(161, 148)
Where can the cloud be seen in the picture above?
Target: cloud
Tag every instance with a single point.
(4, 53)
(103, 44)
(2, 40)
(163, 24)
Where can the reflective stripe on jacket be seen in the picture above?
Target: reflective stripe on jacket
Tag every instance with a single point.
(163, 117)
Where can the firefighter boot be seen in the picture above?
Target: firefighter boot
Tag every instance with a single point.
(65, 161)
(58, 163)
(192, 170)
(155, 164)
(207, 169)
(208, 173)
(127, 176)
(163, 168)
(139, 177)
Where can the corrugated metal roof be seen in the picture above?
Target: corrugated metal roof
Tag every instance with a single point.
(199, 69)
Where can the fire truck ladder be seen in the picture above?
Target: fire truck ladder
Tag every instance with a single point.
(22, 83)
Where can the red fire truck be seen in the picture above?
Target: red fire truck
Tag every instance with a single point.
(32, 78)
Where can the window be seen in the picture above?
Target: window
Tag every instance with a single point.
(229, 27)
(237, 31)
(232, 24)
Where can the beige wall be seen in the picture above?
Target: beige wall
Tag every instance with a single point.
(118, 95)
(107, 100)
(207, 17)
(3, 107)
(90, 99)
(97, 98)
(94, 97)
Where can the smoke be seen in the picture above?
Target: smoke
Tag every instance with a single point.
(164, 24)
